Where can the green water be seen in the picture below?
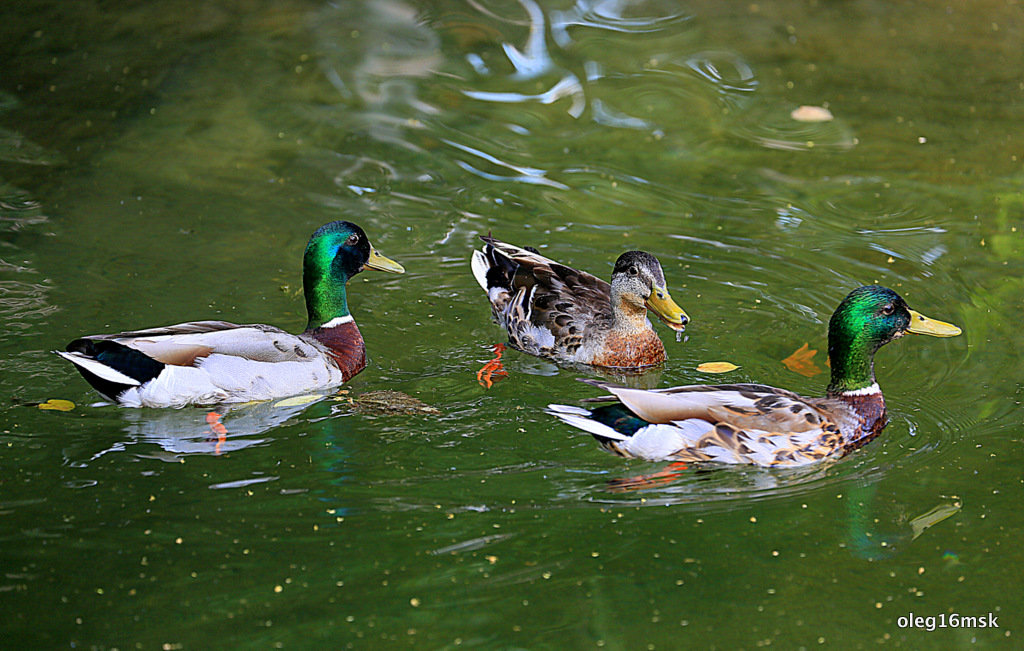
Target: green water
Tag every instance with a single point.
(167, 162)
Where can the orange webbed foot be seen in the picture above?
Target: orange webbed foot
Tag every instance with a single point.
(667, 475)
(493, 370)
(217, 430)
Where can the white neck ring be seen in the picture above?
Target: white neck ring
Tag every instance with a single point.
(337, 321)
(866, 391)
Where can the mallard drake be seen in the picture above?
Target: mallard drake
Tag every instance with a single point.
(762, 425)
(557, 312)
(209, 362)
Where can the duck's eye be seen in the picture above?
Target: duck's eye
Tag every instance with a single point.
(888, 309)
(352, 240)
(633, 271)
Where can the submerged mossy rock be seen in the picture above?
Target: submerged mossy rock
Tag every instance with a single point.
(390, 403)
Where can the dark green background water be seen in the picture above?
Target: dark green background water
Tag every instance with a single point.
(162, 162)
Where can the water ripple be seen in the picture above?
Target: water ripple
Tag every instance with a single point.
(772, 127)
(524, 174)
(18, 209)
(607, 15)
(726, 71)
(23, 303)
(568, 86)
(16, 148)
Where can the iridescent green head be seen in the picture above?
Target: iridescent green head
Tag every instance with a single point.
(336, 252)
(867, 319)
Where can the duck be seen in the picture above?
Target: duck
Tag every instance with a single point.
(762, 425)
(213, 362)
(565, 315)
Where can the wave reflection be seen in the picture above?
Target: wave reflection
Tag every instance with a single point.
(608, 15)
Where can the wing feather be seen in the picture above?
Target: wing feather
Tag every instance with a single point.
(543, 296)
(744, 423)
(185, 343)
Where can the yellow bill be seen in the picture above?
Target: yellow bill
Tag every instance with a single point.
(666, 309)
(380, 263)
(922, 325)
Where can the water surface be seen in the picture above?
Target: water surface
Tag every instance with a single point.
(168, 163)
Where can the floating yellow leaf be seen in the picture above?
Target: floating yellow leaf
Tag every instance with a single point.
(298, 400)
(57, 405)
(802, 361)
(933, 517)
(717, 367)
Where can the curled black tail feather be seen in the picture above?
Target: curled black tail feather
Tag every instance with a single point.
(119, 357)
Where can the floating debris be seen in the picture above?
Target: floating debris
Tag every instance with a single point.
(57, 405)
(717, 367)
(299, 400)
(930, 518)
(390, 403)
(802, 361)
(811, 114)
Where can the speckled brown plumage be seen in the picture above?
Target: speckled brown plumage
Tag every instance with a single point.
(631, 350)
(740, 423)
(762, 425)
(563, 314)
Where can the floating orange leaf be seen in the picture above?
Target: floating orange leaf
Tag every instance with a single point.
(802, 361)
(717, 367)
(57, 405)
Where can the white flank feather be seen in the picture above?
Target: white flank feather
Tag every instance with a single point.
(657, 442)
(99, 369)
(572, 416)
(693, 428)
(543, 336)
(494, 294)
(479, 265)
